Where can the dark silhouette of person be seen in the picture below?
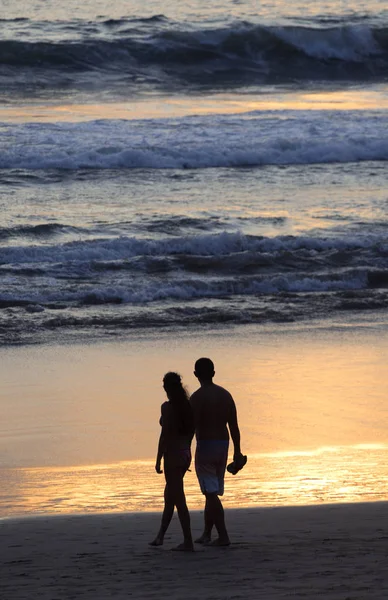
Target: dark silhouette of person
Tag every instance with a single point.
(215, 416)
(174, 448)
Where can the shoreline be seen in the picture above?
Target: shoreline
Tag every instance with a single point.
(333, 551)
(366, 321)
(195, 513)
(299, 478)
(233, 515)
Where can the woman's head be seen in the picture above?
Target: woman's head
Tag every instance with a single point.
(179, 399)
(172, 384)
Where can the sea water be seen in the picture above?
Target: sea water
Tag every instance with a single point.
(173, 168)
(190, 165)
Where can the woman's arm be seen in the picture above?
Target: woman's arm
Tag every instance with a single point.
(162, 440)
(160, 454)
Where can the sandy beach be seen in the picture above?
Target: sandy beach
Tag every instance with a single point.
(74, 401)
(335, 552)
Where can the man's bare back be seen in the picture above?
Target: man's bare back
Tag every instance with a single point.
(214, 410)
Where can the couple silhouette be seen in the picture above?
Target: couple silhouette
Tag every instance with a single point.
(210, 413)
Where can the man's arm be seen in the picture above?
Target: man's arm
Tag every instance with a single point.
(234, 429)
(195, 408)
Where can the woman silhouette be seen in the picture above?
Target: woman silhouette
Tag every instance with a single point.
(174, 447)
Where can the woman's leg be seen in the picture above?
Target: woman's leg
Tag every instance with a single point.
(166, 516)
(174, 495)
(183, 512)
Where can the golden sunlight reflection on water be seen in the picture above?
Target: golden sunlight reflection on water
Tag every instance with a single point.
(311, 405)
(327, 475)
(150, 108)
(93, 405)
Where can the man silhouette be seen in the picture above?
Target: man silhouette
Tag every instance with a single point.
(214, 413)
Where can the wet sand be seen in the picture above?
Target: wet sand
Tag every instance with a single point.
(332, 552)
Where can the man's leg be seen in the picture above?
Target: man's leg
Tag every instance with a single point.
(217, 516)
(206, 536)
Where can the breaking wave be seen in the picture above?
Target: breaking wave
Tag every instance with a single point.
(165, 54)
(249, 139)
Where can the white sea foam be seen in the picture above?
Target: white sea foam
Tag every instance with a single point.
(217, 245)
(346, 43)
(134, 292)
(258, 138)
(89, 246)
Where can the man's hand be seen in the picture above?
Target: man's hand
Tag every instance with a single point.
(158, 468)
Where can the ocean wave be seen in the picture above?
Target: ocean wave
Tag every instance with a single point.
(32, 324)
(214, 266)
(105, 315)
(45, 326)
(43, 230)
(203, 247)
(159, 52)
(250, 139)
(111, 303)
(143, 292)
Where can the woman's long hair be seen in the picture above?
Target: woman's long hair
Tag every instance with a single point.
(179, 398)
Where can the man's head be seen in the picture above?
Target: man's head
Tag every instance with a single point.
(204, 369)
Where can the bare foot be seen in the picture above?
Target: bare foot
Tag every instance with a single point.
(203, 539)
(158, 541)
(220, 542)
(185, 547)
